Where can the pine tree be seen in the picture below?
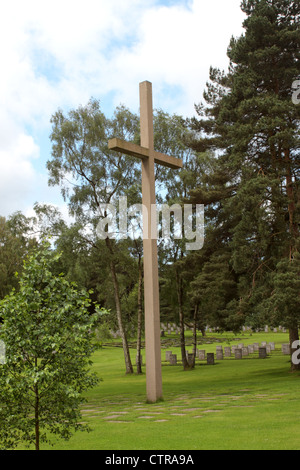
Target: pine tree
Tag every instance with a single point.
(252, 125)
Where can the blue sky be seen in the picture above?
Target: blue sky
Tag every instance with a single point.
(59, 54)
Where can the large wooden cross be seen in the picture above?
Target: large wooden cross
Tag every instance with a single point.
(149, 156)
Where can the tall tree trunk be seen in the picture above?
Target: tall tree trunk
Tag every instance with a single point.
(195, 334)
(293, 227)
(128, 364)
(294, 233)
(179, 288)
(140, 316)
(36, 419)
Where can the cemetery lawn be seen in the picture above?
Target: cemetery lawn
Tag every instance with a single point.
(236, 404)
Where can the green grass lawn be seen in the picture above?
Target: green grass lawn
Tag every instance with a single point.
(236, 404)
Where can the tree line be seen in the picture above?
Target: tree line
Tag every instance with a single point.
(241, 160)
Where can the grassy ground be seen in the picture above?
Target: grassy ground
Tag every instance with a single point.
(236, 404)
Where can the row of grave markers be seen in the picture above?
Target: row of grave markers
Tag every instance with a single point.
(169, 328)
(173, 328)
(239, 351)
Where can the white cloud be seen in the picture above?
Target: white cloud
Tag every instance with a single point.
(60, 53)
(17, 174)
(175, 48)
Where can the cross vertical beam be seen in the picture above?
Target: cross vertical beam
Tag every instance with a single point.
(149, 157)
(151, 285)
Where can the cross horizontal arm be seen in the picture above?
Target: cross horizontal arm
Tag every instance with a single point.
(167, 160)
(128, 148)
(141, 152)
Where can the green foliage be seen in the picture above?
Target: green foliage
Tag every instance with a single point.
(47, 332)
(252, 125)
(14, 245)
(79, 149)
(284, 302)
(214, 288)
